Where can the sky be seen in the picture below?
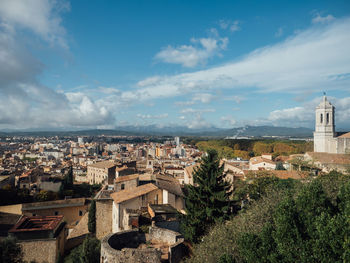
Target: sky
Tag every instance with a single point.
(105, 64)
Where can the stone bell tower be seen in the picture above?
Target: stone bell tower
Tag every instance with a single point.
(324, 128)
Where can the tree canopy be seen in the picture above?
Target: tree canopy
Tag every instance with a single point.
(286, 221)
(207, 201)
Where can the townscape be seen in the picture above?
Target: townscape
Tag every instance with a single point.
(121, 185)
(147, 131)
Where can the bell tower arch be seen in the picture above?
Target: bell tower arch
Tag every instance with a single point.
(324, 126)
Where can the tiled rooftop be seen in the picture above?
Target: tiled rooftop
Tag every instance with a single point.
(37, 223)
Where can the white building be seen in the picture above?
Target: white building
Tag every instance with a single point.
(325, 138)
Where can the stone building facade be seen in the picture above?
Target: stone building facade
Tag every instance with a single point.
(101, 172)
(160, 245)
(42, 238)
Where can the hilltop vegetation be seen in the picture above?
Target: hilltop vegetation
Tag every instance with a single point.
(285, 221)
(249, 148)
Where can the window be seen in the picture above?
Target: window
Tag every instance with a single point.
(122, 186)
(80, 213)
(321, 119)
(56, 213)
(327, 118)
(34, 214)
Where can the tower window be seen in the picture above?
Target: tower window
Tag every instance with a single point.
(321, 119)
(327, 118)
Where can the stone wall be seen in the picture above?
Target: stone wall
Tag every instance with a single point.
(122, 248)
(103, 217)
(39, 251)
(165, 235)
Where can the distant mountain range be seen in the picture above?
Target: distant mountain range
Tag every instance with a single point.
(154, 130)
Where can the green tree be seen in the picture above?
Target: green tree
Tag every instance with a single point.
(279, 166)
(68, 179)
(207, 201)
(10, 251)
(88, 252)
(92, 217)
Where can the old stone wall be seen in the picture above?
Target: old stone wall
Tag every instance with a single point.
(122, 248)
(126, 184)
(40, 251)
(165, 235)
(103, 217)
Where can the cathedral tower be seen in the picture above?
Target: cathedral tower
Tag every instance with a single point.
(324, 129)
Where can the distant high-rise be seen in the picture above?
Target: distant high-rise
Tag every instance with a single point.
(177, 141)
(80, 140)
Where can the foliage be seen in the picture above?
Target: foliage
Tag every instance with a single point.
(68, 188)
(248, 148)
(226, 258)
(88, 252)
(10, 196)
(44, 195)
(92, 217)
(290, 221)
(10, 251)
(279, 166)
(207, 201)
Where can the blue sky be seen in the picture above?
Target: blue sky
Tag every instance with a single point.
(103, 64)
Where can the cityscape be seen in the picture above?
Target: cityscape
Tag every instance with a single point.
(174, 131)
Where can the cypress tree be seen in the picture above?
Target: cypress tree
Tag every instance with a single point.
(92, 217)
(207, 201)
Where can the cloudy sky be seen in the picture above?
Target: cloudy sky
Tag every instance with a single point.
(103, 64)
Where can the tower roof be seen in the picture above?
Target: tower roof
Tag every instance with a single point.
(325, 104)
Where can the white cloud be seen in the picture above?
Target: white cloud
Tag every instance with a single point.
(191, 55)
(322, 19)
(24, 102)
(314, 59)
(191, 110)
(238, 99)
(305, 115)
(109, 90)
(228, 121)
(198, 122)
(233, 26)
(198, 97)
(149, 116)
(40, 16)
(279, 32)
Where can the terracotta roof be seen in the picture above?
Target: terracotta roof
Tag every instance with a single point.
(346, 135)
(259, 159)
(127, 194)
(37, 223)
(330, 157)
(126, 178)
(124, 167)
(81, 228)
(103, 164)
(169, 183)
(190, 169)
(282, 158)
